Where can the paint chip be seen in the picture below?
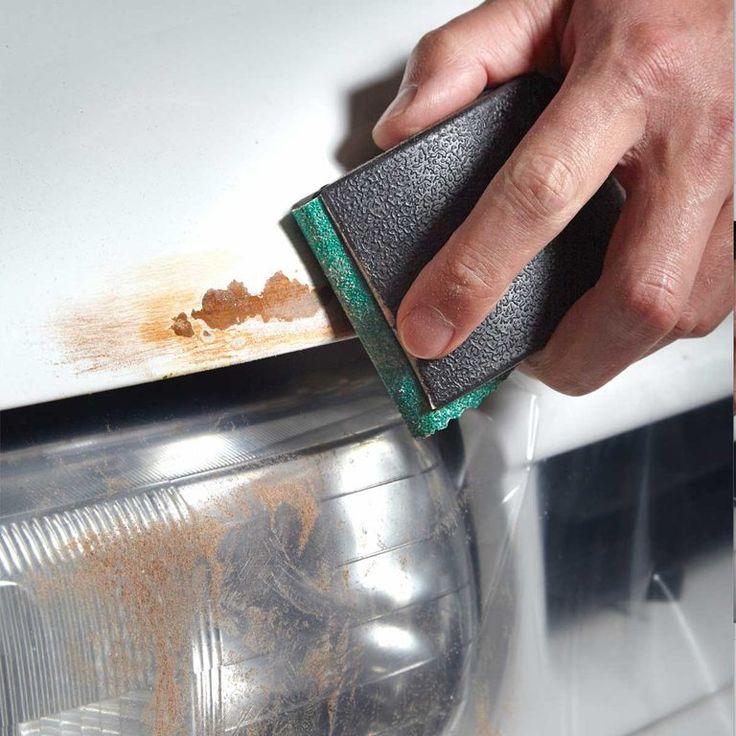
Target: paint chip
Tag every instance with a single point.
(281, 299)
(182, 326)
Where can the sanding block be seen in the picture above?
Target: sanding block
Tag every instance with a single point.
(373, 230)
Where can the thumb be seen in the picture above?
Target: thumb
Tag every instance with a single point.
(452, 64)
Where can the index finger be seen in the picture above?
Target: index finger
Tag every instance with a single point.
(561, 162)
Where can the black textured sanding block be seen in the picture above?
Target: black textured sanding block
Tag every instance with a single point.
(395, 212)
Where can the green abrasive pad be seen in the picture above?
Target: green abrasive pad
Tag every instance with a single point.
(374, 331)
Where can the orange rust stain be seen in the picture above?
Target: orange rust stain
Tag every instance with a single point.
(282, 298)
(131, 327)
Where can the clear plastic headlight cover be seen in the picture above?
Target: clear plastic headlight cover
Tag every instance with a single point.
(296, 565)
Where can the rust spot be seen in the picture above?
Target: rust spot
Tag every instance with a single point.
(182, 326)
(223, 308)
(282, 299)
(129, 331)
(287, 299)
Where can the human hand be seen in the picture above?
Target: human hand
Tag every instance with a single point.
(647, 93)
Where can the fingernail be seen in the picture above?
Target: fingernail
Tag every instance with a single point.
(402, 100)
(425, 333)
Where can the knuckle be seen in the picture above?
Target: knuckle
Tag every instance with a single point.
(653, 305)
(655, 54)
(541, 186)
(440, 43)
(467, 276)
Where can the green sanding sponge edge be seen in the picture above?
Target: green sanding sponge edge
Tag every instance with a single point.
(372, 328)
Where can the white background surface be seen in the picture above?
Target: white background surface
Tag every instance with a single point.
(148, 152)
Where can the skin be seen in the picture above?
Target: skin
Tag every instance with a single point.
(647, 93)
